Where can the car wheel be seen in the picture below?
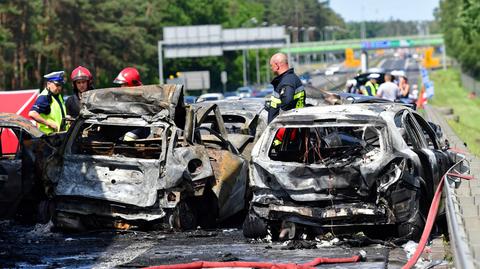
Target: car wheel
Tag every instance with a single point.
(45, 211)
(183, 218)
(254, 226)
(412, 228)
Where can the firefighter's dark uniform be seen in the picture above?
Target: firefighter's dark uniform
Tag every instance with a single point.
(288, 93)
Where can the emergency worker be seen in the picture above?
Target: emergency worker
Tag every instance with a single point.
(128, 77)
(288, 92)
(49, 109)
(371, 86)
(82, 81)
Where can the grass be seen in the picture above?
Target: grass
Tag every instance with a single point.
(450, 93)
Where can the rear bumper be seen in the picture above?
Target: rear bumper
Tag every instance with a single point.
(346, 214)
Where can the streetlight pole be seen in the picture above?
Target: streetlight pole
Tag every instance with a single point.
(160, 63)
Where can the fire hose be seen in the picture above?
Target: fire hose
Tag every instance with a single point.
(263, 265)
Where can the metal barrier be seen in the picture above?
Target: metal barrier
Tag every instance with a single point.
(470, 83)
(456, 230)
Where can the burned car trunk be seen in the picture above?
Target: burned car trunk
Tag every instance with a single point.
(344, 166)
(130, 160)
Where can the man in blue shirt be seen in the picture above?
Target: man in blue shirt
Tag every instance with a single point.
(49, 110)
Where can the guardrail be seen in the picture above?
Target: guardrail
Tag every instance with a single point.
(456, 231)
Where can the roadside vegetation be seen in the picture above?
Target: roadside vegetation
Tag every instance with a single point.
(450, 93)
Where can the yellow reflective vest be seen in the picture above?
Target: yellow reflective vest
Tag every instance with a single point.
(57, 114)
(373, 89)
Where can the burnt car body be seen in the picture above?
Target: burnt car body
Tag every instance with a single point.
(166, 175)
(21, 191)
(244, 119)
(346, 166)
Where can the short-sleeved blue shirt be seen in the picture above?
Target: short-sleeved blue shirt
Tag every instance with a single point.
(42, 105)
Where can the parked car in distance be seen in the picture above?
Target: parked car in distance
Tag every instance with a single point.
(189, 99)
(210, 97)
(244, 92)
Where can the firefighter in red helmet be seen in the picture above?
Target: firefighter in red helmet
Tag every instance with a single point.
(128, 77)
(82, 81)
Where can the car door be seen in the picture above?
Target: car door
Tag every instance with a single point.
(14, 185)
(427, 156)
(229, 167)
(433, 144)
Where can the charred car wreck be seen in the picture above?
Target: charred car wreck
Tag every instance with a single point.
(244, 121)
(135, 157)
(345, 166)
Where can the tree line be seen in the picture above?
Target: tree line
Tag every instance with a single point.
(40, 36)
(460, 24)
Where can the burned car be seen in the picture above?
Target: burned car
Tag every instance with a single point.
(244, 120)
(341, 166)
(23, 151)
(135, 158)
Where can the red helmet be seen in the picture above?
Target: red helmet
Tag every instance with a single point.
(81, 73)
(129, 77)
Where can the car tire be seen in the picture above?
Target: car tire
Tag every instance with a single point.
(45, 211)
(183, 218)
(413, 228)
(254, 226)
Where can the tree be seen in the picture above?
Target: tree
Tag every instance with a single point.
(461, 30)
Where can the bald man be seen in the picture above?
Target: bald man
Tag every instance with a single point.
(288, 90)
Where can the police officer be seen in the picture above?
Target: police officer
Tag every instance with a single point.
(371, 86)
(82, 81)
(288, 92)
(49, 109)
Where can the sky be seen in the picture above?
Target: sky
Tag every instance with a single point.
(383, 10)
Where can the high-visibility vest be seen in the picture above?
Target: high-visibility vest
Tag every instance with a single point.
(373, 88)
(298, 97)
(57, 114)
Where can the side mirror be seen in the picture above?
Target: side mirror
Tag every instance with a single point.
(437, 129)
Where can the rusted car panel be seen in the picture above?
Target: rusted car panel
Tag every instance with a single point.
(346, 165)
(231, 173)
(163, 173)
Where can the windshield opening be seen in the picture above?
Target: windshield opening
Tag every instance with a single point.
(326, 145)
(114, 140)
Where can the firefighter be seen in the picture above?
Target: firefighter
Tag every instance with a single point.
(49, 109)
(288, 93)
(128, 77)
(82, 81)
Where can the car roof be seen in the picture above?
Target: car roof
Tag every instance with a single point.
(351, 111)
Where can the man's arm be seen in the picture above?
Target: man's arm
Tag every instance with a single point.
(380, 91)
(35, 116)
(286, 94)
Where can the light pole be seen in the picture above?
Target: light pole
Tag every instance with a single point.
(253, 21)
